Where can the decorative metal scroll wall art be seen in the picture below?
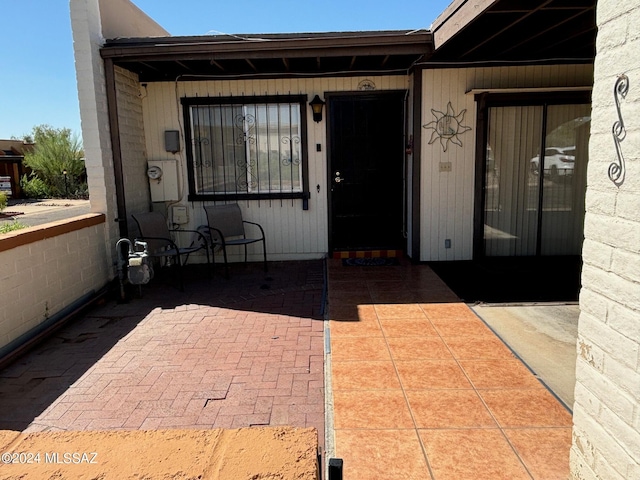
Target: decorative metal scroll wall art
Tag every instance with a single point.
(618, 170)
(447, 127)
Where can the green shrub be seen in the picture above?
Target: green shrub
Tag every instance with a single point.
(82, 191)
(34, 187)
(11, 226)
(3, 201)
(57, 159)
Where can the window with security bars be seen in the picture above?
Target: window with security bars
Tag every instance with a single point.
(246, 147)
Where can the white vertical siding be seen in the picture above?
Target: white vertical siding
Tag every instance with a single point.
(292, 233)
(447, 198)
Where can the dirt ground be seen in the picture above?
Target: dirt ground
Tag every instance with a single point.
(256, 453)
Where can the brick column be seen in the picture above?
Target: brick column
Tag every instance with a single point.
(606, 435)
(87, 40)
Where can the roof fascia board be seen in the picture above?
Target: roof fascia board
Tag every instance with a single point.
(428, 65)
(335, 46)
(476, 91)
(288, 75)
(456, 17)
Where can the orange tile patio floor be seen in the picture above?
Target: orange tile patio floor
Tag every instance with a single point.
(423, 389)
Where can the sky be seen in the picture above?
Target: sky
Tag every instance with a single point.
(38, 83)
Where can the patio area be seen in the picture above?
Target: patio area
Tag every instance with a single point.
(423, 389)
(224, 354)
(419, 386)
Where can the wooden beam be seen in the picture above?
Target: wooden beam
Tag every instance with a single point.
(116, 146)
(150, 67)
(213, 62)
(504, 29)
(251, 64)
(543, 31)
(396, 44)
(416, 168)
(456, 17)
(184, 66)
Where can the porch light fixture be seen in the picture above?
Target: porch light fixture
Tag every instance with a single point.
(316, 105)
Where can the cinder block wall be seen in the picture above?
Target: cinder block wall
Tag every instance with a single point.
(606, 436)
(47, 268)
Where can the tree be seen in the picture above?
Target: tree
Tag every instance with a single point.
(57, 159)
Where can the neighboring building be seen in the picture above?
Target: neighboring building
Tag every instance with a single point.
(466, 141)
(11, 166)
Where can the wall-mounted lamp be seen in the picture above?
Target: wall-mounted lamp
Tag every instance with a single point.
(316, 106)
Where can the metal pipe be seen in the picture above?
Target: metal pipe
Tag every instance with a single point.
(28, 340)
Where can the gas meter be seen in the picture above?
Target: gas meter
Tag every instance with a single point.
(137, 264)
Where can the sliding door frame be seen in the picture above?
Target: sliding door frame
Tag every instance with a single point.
(485, 101)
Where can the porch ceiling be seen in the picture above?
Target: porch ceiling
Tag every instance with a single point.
(515, 30)
(269, 55)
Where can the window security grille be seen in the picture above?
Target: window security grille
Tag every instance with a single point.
(248, 147)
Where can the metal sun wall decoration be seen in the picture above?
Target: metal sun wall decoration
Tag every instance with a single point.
(447, 126)
(617, 171)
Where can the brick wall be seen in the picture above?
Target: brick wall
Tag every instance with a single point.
(46, 268)
(132, 141)
(606, 441)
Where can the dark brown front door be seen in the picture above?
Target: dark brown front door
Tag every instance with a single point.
(366, 170)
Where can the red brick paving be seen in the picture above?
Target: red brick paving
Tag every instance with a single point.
(236, 353)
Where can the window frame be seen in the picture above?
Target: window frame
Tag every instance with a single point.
(189, 102)
(485, 101)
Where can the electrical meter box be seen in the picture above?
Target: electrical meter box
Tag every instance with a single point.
(163, 180)
(179, 214)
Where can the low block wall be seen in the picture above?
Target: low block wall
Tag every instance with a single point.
(45, 270)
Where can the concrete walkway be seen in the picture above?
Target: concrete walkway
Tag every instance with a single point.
(36, 212)
(422, 389)
(530, 330)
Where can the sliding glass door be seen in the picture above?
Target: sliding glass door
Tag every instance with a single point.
(535, 179)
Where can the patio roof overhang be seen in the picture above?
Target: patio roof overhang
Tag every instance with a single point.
(270, 55)
(508, 31)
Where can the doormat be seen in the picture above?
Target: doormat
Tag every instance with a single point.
(366, 253)
(370, 262)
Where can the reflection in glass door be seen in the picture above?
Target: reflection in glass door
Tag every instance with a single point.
(533, 203)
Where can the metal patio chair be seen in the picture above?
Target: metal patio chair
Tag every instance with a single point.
(226, 228)
(154, 230)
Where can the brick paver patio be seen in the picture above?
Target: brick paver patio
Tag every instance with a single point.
(225, 353)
